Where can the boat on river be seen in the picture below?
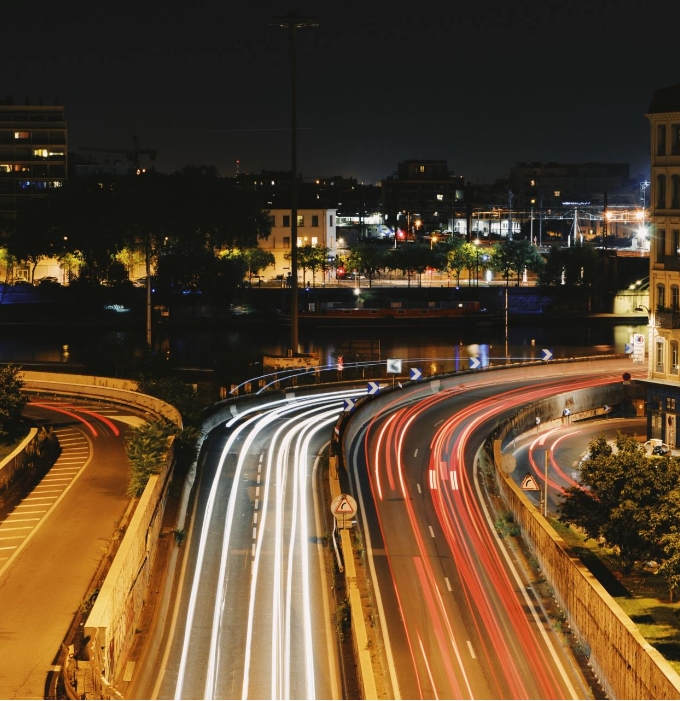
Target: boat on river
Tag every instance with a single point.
(397, 316)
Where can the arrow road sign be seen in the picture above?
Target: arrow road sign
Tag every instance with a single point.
(628, 349)
(529, 483)
(394, 365)
(349, 404)
(373, 387)
(474, 363)
(547, 354)
(416, 373)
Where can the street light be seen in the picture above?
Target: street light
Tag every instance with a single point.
(651, 323)
(293, 22)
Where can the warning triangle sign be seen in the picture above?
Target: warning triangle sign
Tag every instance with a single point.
(529, 483)
(344, 507)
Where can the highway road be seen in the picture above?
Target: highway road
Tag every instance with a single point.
(565, 446)
(253, 616)
(53, 539)
(462, 619)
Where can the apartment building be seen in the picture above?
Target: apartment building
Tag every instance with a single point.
(315, 227)
(663, 385)
(33, 152)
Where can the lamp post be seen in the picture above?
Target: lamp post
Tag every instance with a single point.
(476, 262)
(293, 22)
(651, 323)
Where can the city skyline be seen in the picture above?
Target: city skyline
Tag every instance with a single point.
(480, 87)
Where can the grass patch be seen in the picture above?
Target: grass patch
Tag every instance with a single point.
(9, 447)
(641, 594)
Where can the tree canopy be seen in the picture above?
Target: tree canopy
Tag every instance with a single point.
(630, 502)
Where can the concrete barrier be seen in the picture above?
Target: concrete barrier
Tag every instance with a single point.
(16, 461)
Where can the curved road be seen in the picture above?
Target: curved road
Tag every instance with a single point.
(251, 618)
(53, 539)
(462, 620)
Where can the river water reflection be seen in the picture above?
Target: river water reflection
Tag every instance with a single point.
(108, 352)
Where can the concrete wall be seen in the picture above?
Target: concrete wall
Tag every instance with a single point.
(112, 621)
(16, 461)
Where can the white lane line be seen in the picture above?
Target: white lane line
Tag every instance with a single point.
(448, 584)
(431, 531)
(420, 491)
(472, 650)
(415, 453)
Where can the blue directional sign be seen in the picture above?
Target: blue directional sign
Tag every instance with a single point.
(474, 363)
(373, 387)
(349, 404)
(416, 373)
(547, 354)
(628, 348)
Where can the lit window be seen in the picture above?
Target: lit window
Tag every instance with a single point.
(40, 152)
(56, 153)
(440, 197)
(301, 220)
(22, 134)
(421, 169)
(532, 183)
(5, 168)
(558, 193)
(674, 357)
(315, 241)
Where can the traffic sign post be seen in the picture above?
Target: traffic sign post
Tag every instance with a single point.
(343, 507)
(373, 387)
(416, 373)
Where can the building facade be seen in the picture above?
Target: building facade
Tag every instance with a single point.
(663, 384)
(33, 152)
(422, 197)
(315, 227)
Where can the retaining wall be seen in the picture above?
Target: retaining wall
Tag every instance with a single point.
(16, 461)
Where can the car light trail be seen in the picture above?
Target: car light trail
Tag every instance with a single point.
(279, 559)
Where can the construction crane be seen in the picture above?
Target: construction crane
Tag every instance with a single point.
(132, 154)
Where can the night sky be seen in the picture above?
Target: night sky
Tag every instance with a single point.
(483, 85)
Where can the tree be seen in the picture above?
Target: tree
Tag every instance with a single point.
(12, 400)
(257, 259)
(367, 258)
(515, 257)
(618, 496)
(457, 257)
(578, 266)
(312, 258)
(147, 449)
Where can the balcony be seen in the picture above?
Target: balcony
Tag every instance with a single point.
(668, 319)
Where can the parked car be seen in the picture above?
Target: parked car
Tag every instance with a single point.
(47, 280)
(21, 282)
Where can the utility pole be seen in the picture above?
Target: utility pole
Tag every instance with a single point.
(293, 22)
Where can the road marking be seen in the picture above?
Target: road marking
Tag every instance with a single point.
(448, 584)
(257, 504)
(472, 651)
(415, 453)
(420, 491)
(255, 518)
(431, 531)
(454, 479)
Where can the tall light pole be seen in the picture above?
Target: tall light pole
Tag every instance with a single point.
(293, 22)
